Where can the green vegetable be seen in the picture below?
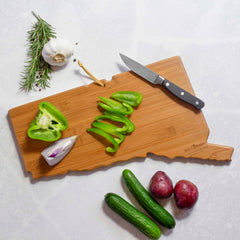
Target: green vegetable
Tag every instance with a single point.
(114, 106)
(111, 129)
(161, 215)
(48, 124)
(133, 215)
(106, 136)
(130, 97)
(112, 133)
(116, 112)
(36, 71)
(128, 124)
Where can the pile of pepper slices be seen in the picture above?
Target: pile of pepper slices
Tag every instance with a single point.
(117, 110)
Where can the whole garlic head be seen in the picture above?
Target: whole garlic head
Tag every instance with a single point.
(57, 52)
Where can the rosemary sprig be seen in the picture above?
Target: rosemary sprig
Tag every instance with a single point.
(36, 71)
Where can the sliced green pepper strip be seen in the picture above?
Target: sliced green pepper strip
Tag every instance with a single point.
(127, 121)
(111, 129)
(48, 124)
(128, 124)
(130, 97)
(106, 136)
(114, 106)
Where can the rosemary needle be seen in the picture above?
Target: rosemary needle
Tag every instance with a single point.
(36, 72)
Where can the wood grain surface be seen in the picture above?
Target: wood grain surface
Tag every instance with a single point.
(165, 125)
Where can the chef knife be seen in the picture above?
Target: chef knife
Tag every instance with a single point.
(155, 78)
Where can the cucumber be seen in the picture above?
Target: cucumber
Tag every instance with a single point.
(133, 215)
(143, 197)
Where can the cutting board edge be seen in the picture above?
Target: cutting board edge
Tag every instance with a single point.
(205, 151)
(153, 63)
(197, 156)
(192, 89)
(14, 136)
(103, 80)
(42, 99)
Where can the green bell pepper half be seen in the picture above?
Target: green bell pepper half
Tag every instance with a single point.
(128, 124)
(130, 97)
(114, 106)
(107, 136)
(48, 124)
(111, 129)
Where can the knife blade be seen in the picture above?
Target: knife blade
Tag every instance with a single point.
(155, 78)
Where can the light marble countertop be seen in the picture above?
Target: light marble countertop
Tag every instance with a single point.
(205, 34)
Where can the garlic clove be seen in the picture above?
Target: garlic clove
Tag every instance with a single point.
(57, 52)
(58, 150)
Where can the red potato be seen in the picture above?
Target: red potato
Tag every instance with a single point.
(185, 194)
(161, 185)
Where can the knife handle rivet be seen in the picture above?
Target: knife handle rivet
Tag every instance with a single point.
(182, 93)
(167, 84)
(197, 102)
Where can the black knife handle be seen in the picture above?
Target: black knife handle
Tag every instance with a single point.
(182, 94)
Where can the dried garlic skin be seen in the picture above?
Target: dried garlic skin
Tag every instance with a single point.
(57, 52)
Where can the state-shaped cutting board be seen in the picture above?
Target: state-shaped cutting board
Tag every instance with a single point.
(165, 125)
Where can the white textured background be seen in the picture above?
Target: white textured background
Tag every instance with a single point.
(205, 34)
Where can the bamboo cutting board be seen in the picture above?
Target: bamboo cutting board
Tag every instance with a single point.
(164, 125)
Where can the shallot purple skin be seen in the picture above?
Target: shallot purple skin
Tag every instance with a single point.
(161, 185)
(185, 194)
(58, 150)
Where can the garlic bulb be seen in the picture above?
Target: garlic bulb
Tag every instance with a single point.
(57, 52)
